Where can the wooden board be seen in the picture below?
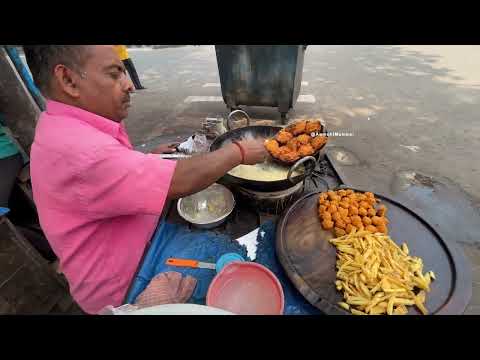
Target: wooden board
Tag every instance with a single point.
(309, 259)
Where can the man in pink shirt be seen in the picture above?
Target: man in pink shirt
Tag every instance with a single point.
(99, 200)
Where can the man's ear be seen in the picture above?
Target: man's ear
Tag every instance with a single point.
(66, 80)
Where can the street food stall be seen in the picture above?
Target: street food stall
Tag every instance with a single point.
(297, 228)
(323, 269)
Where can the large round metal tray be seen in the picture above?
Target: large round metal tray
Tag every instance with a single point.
(309, 259)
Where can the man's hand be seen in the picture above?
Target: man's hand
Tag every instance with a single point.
(165, 148)
(255, 151)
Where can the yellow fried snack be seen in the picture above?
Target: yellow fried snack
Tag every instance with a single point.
(339, 232)
(283, 137)
(362, 211)
(352, 210)
(381, 211)
(332, 209)
(313, 126)
(305, 150)
(350, 228)
(293, 144)
(340, 224)
(355, 209)
(336, 216)
(327, 216)
(344, 204)
(342, 193)
(371, 212)
(287, 155)
(304, 139)
(378, 277)
(377, 220)
(366, 221)
(382, 228)
(272, 146)
(299, 127)
(343, 212)
(327, 224)
(346, 199)
(365, 205)
(318, 141)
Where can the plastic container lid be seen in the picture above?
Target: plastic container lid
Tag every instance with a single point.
(246, 288)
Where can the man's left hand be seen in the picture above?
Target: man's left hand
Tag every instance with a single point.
(165, 148)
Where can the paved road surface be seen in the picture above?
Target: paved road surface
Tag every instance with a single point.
(412, 109)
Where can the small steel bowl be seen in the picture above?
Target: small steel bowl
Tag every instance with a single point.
(207, 208)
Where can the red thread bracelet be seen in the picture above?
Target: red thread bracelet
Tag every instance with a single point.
(242, 150)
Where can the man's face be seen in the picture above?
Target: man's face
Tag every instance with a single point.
(105, 88)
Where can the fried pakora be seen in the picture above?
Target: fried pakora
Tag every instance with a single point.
(381, 211)
(283, 137)
(327, 224)
(293, 144)
(272, 146)
(344, 204)
(313, 126)
(347, 212)
(382, 228)
(318, 141)
(287, 155)
(305, 150)
(327, 216)
(336, 216)
(350, 228)
(377, 220)
(298, 140)
(352, 210)
(299, 127)
(362, 211)
(366, 221)
(304, 139)
(343, 212)
(339, 232)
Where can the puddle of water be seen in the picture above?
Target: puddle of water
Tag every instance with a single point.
(403, 180)
(343, 156)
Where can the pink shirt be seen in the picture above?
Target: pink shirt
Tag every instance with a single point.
(98, 200)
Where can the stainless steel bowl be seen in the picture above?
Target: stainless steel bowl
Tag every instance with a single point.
(207, 208)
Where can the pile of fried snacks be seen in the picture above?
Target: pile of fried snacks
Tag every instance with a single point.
(344, 211)
(377, 276)
(300, 139)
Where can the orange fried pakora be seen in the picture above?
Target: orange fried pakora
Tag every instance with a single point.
(318, 141)
(283, 137)
(304, 139)
(293, 144)
(305, 150)
(299, 127)
(287, 155)
(272, 146)
(313, 126)
(348, 211)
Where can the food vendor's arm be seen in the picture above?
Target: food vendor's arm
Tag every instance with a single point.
(199, 172)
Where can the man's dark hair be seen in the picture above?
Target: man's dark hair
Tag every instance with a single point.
(42, 59)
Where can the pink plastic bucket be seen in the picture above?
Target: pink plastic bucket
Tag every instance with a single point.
(246, 288)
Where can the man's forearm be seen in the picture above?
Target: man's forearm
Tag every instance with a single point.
(197, 173)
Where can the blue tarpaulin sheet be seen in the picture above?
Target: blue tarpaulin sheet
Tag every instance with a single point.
(172, 240)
